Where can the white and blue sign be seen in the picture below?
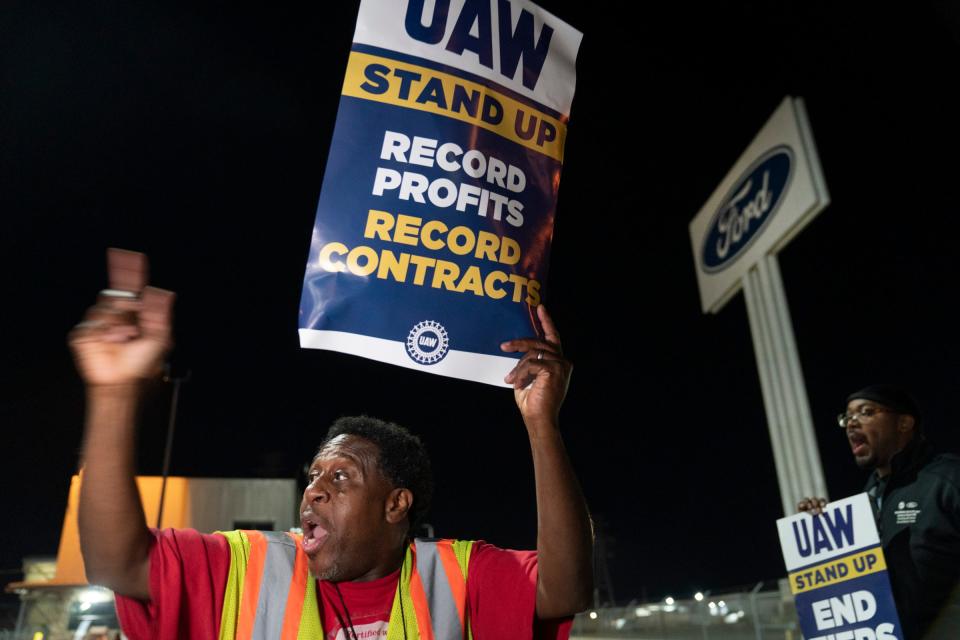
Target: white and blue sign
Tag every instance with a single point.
(838, 575)
(748, 208)
(773, 190)
(433, 229)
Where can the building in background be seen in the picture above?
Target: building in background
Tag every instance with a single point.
(57, 603)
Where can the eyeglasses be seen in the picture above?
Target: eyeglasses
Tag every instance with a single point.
(865, 412)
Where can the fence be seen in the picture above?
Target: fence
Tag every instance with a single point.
(745, 615)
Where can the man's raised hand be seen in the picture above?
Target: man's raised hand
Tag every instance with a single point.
(542, 375)
(124, 337)
(813, 506)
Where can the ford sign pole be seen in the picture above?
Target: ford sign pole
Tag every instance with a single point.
(785, 396)
(772, 192)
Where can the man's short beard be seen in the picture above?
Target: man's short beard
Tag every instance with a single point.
(866, 464)
(333, 573)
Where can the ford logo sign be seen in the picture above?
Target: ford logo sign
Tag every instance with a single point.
(747, 208)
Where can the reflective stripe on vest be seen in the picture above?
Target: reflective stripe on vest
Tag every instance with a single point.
(271, 596)
(444, 587)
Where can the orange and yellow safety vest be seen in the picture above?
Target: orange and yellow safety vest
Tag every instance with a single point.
(271, 596)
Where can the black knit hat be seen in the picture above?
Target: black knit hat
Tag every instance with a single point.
(889, 395)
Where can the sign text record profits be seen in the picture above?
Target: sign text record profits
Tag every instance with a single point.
(435, 234)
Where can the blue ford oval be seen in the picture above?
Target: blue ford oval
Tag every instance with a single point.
(747, 208)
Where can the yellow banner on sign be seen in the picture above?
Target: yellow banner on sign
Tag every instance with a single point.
(414, 87)
(839, 570)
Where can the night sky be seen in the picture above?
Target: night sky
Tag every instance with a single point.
(198, 132)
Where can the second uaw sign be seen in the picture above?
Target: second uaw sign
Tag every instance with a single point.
(838, 574)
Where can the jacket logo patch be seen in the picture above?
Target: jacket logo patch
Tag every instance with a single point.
(907, 512)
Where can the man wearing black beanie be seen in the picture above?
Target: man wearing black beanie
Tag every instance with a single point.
(915, 496)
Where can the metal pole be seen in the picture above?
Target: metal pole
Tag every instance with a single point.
(806, 433)
(703, 620)
(20, 616)
(752, 295)
(753, 609)
(790, 425)
(168, 449)
(795, 452)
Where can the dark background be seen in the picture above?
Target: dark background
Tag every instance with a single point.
(198, 132)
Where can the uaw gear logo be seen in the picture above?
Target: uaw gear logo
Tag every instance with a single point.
(427, 342)
(906, 512)
(747, 208)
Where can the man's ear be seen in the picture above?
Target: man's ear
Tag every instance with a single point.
(906, 423)
(399, 503)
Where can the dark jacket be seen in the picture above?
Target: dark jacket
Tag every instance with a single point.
(919, 524)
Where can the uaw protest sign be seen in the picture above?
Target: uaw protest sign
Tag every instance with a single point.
(435, 218)
(837, 573)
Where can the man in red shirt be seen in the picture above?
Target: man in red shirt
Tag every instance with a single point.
(356, 510)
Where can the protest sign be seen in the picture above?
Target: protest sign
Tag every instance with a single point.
(435, 217)
(838, 574)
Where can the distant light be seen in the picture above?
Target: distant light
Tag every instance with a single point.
(94, 595)
(593, 615)
(669, 600)
(722, 603)
(698, 596)
(642, 612)
(619, 623)
(713, 605)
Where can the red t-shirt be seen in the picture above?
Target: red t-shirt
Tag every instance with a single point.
(367, 608)
(188, 576)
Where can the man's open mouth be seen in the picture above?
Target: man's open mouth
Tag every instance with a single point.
(858, 442)
(314, 535)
